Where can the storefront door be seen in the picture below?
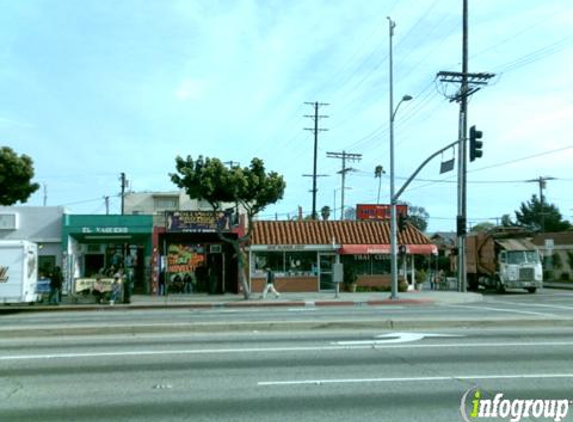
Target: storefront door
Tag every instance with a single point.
(325, 261)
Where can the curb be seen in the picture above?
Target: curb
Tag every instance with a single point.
(562, 286)
(11, 309)
(274, 326)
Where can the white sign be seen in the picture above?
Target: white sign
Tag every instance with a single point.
(105, 230)
(549, 244)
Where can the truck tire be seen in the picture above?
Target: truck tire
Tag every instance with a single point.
(499, 287)
(531, 290)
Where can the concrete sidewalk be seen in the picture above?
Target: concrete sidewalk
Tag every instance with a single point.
(305, 299)
(205, 301)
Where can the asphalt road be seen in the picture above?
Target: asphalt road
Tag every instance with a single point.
(361, 375)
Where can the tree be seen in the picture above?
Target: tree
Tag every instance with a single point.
(16, 173)
(325, 212)
(506, 221)
(378, 172)
(417, 216)
(251, 187)
(349, 213)
(538, 216)
(482, 227)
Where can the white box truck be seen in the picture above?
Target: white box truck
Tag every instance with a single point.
(18, 271)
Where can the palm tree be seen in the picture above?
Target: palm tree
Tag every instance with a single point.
(325, 212)
(378, 172)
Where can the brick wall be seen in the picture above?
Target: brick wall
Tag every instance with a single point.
(287, 284)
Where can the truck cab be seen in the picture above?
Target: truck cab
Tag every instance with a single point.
(520, 269)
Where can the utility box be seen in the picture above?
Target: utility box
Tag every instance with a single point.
(18, 271)
(337, 272)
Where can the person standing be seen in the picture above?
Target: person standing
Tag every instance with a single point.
(115, 291)
(55, 286)
(126, 285)
(270, 284)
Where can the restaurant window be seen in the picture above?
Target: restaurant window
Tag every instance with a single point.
(380, 264)
(273, 260)
(366, 264)
(300, 263)
(360, 263)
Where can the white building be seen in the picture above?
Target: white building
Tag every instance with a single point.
(156, 203)
(41, 225)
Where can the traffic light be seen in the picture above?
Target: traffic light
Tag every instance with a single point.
(475, 144)
(402, 220)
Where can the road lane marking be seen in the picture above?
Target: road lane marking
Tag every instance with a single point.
(302, 309)
(141, 353)
(487, 308)
(568, 308)
(393, 338)
(413, 379)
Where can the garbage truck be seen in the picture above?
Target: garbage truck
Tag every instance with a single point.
(503, 258)
(18, 271)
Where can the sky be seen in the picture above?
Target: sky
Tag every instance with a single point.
(93, 88)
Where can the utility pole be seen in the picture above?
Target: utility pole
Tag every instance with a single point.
(45, 194)
(315, 130)
(106, 199)
(344, 156)
(123, 185)
(232, 164)
(542, 185)
(469, 84)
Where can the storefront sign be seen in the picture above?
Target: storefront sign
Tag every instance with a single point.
(105, 230)
(196, 221)
(184, 258)
(378, 211)
(286, 247)
(259, 248)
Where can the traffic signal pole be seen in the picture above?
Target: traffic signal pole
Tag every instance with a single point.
(469, 84)
(462, 170)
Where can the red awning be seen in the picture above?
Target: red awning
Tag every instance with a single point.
(364, 249)
(427, 249)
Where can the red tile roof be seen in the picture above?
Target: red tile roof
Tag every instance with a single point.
(327, 232)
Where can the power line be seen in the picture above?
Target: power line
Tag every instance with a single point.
(537, 55)
(528, 157)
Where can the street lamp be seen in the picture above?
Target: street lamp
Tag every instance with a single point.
(393, 228)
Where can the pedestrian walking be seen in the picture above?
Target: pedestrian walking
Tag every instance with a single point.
(55, 286)
(270, 284)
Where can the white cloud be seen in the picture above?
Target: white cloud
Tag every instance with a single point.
(190, 89)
